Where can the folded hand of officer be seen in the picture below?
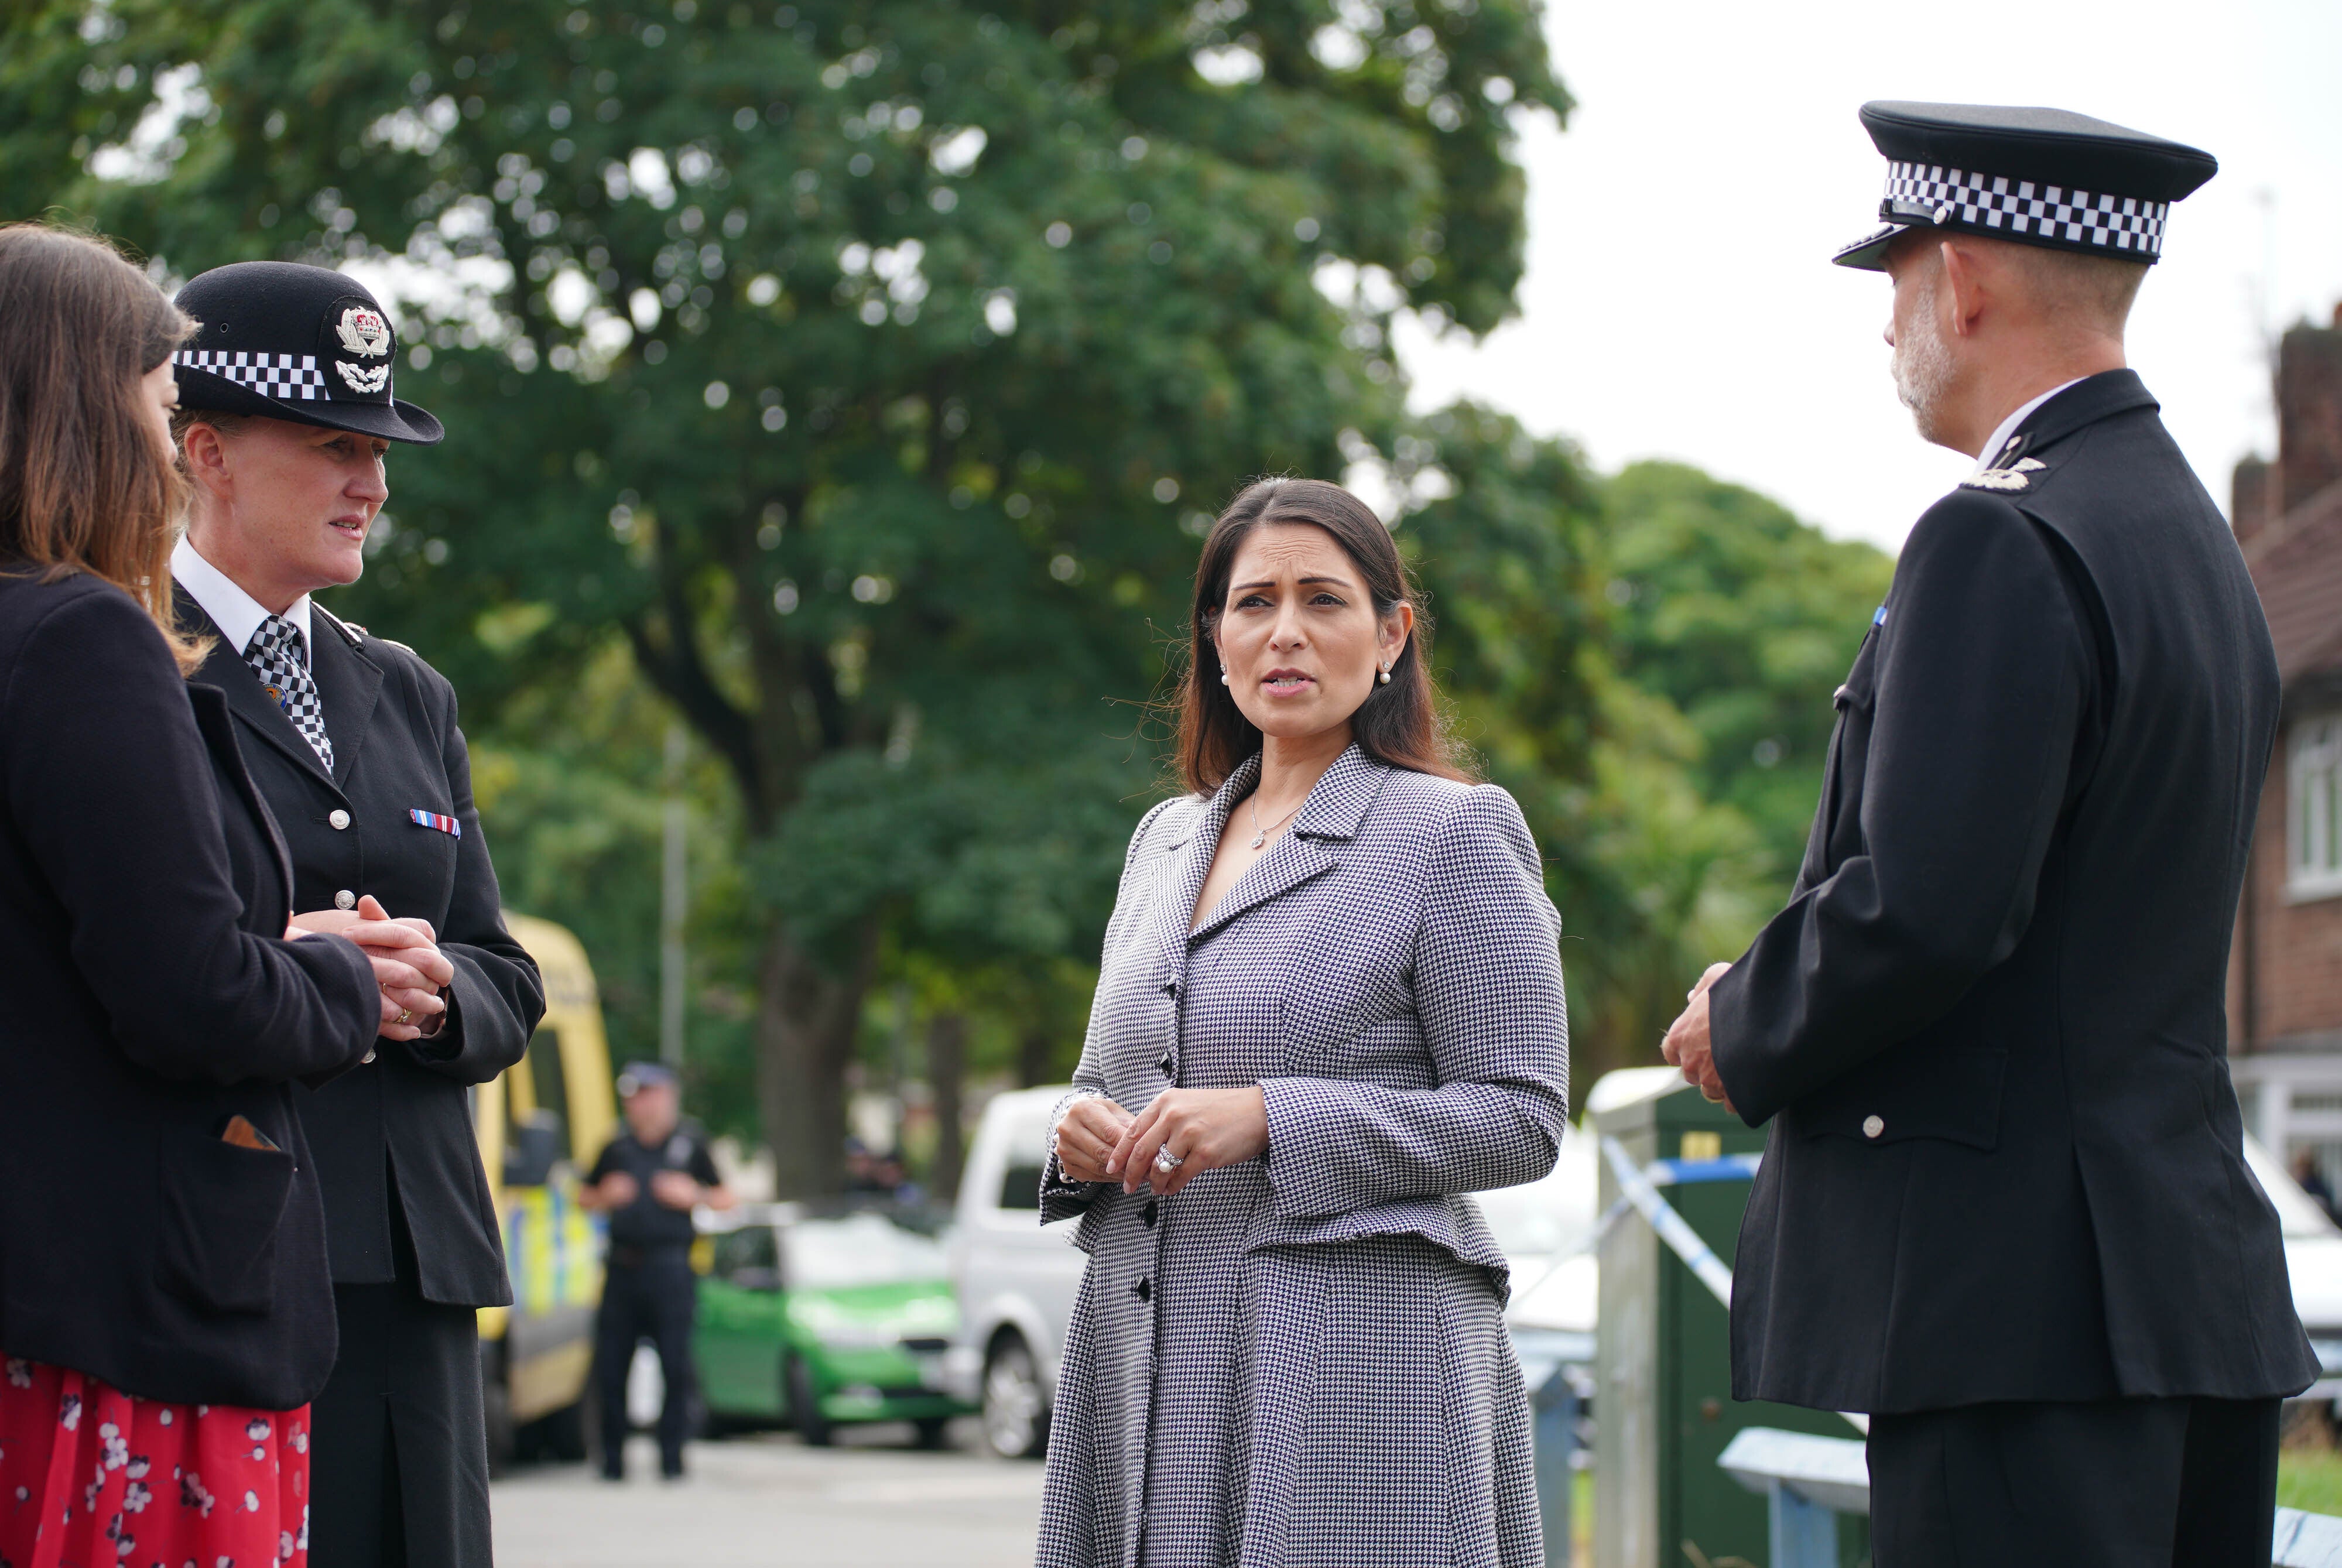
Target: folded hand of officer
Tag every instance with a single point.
(1686, 1045)
(408, 967)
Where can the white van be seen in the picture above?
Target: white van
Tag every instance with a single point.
(1016, 1279)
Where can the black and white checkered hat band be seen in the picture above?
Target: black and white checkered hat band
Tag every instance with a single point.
(1930, 194)
(287, 377)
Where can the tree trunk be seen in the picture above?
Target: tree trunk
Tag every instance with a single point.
(1035, 1055)
(947, 1070)
(807, 1015)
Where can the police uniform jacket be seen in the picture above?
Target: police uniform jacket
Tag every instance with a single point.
(401, 1118)
(647, 1226)
(143, 898)
(1989, 1028)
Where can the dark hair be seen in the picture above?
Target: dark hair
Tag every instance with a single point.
(1400, 723)
(86, 485)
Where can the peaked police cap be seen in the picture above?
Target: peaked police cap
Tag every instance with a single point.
(286, 341)
(2035, 176)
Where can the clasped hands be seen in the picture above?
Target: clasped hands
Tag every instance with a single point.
(1687, 1047)
(1204, 1128)
(672, 1189)
(408, 967)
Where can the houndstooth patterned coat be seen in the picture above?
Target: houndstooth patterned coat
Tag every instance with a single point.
(1302, 1360)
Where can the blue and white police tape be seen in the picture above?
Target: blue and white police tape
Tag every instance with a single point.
(1643, 1193)
(1639, 1188)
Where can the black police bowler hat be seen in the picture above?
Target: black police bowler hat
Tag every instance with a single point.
(2034, 176)
(286, 341)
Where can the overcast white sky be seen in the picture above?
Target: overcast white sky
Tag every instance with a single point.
(1680, 301)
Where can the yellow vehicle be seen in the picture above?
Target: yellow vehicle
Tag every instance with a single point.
(539, 1123)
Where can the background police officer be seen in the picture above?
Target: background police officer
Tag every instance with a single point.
(2004, 1207)
(287, 414)
(648, 1179)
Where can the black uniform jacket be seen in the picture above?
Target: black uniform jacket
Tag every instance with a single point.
(396, 750)
(150, 998)
(647, 1224)
(1989, 1028)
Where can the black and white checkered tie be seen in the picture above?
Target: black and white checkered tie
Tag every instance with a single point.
(275, 656)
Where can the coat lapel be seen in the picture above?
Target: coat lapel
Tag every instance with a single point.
(210, 704)
(1183, 881)
(1335, 806)
(225, 669)
(349, 685)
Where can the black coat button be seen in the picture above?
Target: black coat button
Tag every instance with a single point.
(1143, 1291)
(1163, 1062)
(1147, 1214)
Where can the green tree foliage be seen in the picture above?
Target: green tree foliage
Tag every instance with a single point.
(1743, 619)
(857, 360)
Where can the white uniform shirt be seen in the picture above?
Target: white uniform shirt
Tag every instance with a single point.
(234, 612)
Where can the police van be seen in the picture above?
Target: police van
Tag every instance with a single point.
(540, 1123)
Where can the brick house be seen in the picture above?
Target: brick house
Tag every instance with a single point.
(2285, 976)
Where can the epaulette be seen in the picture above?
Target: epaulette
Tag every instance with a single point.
(352, 633)
(2016, 476)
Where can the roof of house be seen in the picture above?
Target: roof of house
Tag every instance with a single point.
(2297, 565)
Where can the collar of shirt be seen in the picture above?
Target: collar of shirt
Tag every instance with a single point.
(2008, 425)
(234, 612)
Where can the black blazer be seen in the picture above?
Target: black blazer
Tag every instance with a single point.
(403, 1117)
(1990, 1027)
(143, 898)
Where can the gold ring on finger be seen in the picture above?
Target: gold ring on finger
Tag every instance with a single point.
(405, 1014)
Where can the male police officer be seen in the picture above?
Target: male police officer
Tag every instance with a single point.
(649, 1179)
(2004, 1205)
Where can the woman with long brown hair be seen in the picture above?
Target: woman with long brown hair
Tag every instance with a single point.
(164, 1307)
(1330, 1006)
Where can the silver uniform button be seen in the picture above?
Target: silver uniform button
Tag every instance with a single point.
(367, 1058)
(345, 899)
(1872, 1126)
(340, 819)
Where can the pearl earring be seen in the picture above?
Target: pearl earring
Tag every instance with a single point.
(1224, 674)
(1384, 678)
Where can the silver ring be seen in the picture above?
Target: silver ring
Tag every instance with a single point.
(1165, 1160)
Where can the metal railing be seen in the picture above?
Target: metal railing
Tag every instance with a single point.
(1807, 1482)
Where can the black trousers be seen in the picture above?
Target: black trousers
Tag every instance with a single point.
(2122, 1482)
(399, 1457)
(651, 1300)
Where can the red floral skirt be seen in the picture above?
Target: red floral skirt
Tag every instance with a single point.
(91, 1477)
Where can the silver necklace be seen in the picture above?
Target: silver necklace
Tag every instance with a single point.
(1259, 833)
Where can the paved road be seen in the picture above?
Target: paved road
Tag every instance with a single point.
(766, 1501)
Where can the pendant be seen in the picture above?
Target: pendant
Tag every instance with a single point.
(1258, 839)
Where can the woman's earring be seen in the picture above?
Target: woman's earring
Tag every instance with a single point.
(1384, 678)
(1224, 674)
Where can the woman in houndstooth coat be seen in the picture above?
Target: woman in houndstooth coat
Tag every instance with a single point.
(1330, 1006)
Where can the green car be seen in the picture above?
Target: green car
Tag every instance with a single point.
(825, 1317)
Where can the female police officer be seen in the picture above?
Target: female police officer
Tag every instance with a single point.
(286, 412)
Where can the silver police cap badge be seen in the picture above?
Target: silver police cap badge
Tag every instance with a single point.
(2016, 476)
(364, 333)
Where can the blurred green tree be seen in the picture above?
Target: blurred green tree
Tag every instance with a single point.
(1745, 619)
(858, 361)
